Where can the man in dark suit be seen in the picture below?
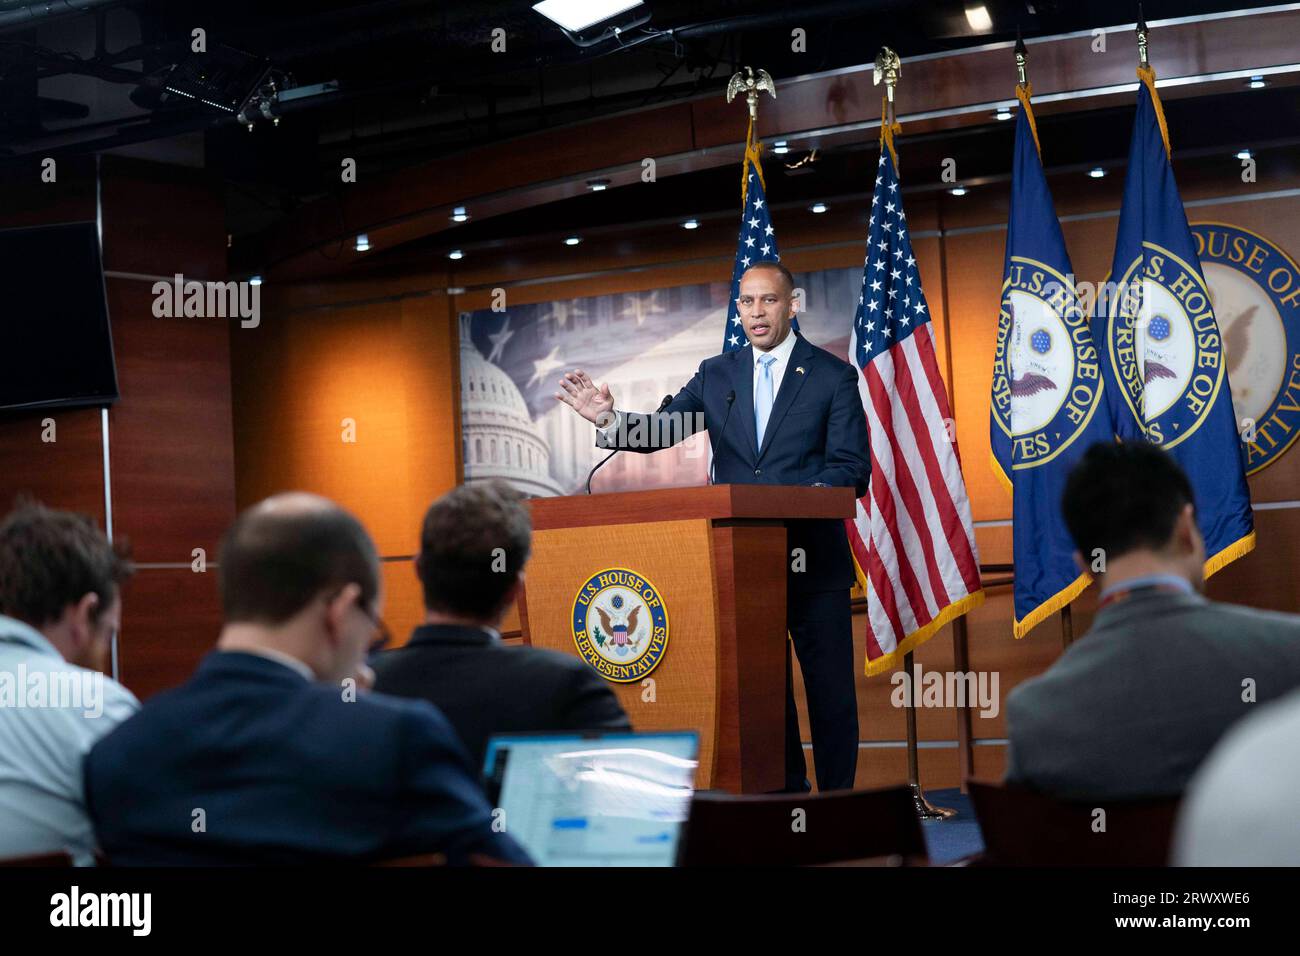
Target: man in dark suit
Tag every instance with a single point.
(456, 658)
(1134, 706)
(778, 412)
(268, 754)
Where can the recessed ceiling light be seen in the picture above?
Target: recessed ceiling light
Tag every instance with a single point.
(459, 214)
(1243, 154)
(1003, 113)
(363, 243)
(1257, 83)
(455, 254)
(780, 147)
(572, 241)
(691, 224)
(818, 207)
(1096, 172)
(597, 185)
(958, 190)
(456, 290)
(254, 280)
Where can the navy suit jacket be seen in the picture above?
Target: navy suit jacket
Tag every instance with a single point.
(285, 771)
(816, 434)
(485, 687)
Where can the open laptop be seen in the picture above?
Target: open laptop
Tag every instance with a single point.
(594, 799)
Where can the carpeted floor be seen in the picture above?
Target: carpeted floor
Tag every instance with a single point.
(950, 840)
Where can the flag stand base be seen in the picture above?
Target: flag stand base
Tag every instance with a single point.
(925, 809)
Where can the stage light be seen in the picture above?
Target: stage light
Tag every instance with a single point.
(576, 15)
(363, 243)
(1096, 172)
(254, 280)
(979, 19)
(455, 254)
(691, 224)
(958, 190)
(818, 207)
(1257, 83)
(589, 23)
(572, 241)
(1243, 154)
(1003, 114)
(780, 147)
(597, 185)
(459, 214)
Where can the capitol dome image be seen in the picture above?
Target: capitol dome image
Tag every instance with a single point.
(498, 438)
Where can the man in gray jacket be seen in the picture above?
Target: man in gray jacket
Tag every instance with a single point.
(1133, 707)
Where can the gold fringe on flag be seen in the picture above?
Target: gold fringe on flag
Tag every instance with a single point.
(753, 154)
(1024, 91)
(1243, 545)
(894, 658)
(1049, 607)
(887, 132)
(1147, 75)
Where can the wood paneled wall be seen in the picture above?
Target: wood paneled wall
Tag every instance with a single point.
(171, 448)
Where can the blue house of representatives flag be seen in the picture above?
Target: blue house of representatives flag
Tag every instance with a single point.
(757, 242)
(1162, 349)
(1047, 404)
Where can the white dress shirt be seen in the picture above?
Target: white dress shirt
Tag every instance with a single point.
(43, 741)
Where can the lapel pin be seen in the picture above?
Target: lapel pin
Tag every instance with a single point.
(799, 369)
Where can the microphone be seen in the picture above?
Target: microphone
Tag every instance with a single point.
(667, 400)
(731, 400)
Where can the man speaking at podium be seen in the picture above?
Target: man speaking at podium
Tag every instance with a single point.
(779, 412)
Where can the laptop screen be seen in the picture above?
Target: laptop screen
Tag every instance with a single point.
(596, 799)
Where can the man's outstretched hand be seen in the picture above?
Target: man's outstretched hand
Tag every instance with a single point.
(580, 393)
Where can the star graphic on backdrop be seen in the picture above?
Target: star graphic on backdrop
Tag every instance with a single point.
(545, 366)
(643, 305)
(499, 339)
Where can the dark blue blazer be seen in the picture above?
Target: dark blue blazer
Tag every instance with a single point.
(817, 434)
(285, 771)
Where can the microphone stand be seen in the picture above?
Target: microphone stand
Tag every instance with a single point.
(731, 400)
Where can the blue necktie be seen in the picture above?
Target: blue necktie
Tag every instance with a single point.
(763, 396)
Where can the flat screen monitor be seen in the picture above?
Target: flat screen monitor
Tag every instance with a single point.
(57, 347)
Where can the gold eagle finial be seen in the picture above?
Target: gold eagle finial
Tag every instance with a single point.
(751, 83)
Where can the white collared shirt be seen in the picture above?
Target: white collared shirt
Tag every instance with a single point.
(43, 740)
(782, 355)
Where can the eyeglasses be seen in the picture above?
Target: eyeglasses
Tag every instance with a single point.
(383, 636)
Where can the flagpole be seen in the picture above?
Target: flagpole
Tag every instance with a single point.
(888, 68)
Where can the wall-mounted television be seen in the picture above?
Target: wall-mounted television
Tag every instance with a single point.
(56, 346)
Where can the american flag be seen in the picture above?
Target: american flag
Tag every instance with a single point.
(912, 538)
(757, 242)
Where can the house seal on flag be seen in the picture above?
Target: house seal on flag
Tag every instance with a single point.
(1047, 382)
(1165, 345)
(1255, 287)
(620, 625)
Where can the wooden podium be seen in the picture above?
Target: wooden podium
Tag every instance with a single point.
(716, 558)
